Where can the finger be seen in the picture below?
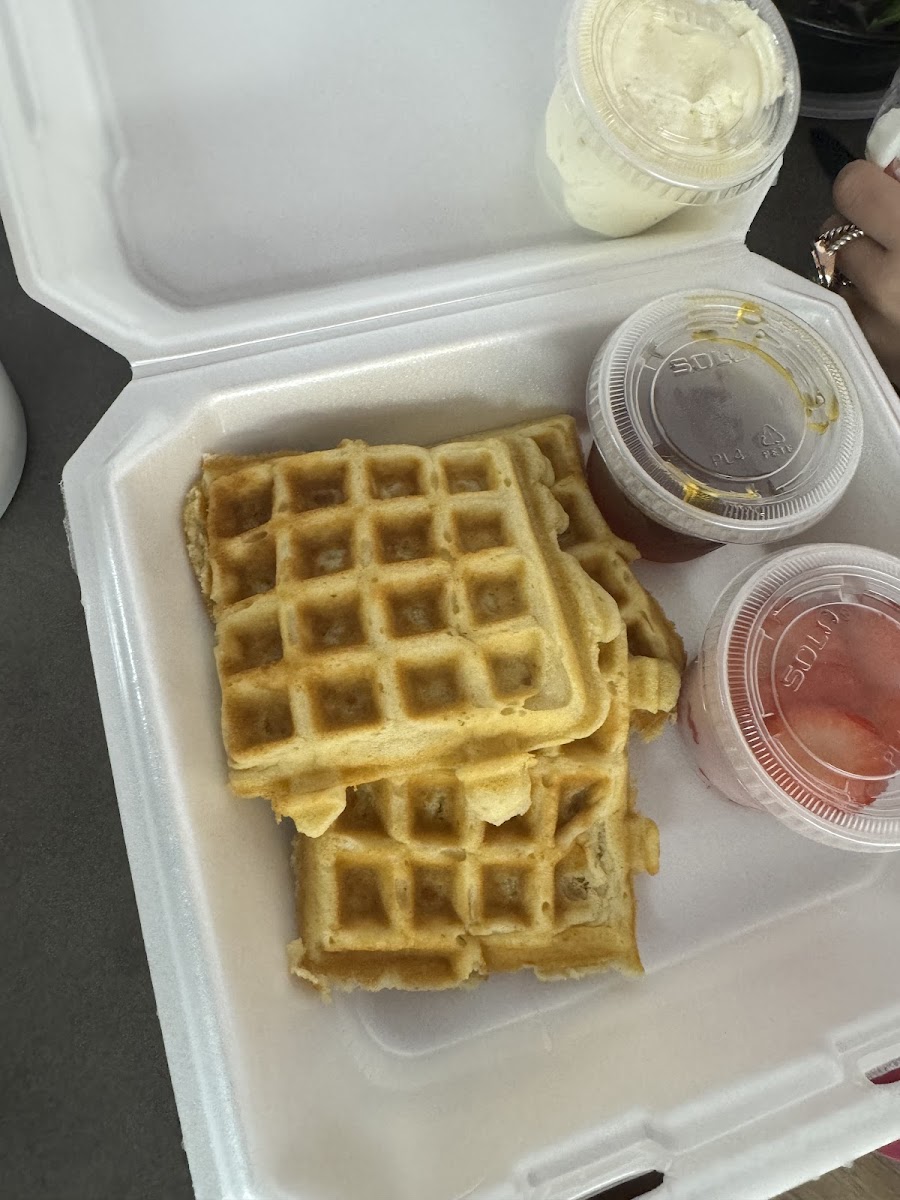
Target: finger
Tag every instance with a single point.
(857, 304)
(866, 265)
(871, 200)
(864, 262)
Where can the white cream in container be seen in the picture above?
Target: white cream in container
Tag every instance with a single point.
(665, 103)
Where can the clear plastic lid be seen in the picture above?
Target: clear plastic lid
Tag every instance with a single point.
(699, 98)
(724, 417)
(807, 662)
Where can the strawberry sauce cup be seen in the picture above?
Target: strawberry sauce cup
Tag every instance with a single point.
(793, 703)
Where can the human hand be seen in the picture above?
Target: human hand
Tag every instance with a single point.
(870, 198)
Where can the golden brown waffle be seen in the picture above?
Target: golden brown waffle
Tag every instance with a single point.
(482, 572)
(377, 607)
(408, 890)
(596, 875)
(657, 651)
(411, 889)
(394, 895)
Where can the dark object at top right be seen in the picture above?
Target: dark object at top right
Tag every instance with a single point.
(845, 47)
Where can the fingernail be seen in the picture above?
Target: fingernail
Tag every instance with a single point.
(893, 169)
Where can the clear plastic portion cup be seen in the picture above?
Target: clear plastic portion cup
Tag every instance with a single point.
(793, 703)
(722, 418)
(662, 104)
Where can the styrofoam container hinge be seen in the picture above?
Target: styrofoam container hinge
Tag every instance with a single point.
(67, 526)
(696, 1152)
(787, 1147)
(592, 1169)
(871, 1047)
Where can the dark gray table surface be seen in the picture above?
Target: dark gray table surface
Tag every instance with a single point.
(86, 1107)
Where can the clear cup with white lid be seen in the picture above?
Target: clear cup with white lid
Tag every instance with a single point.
(793, 703)
(665, 103)
(718, 417)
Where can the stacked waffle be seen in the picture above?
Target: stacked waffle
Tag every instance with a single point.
(430, 660)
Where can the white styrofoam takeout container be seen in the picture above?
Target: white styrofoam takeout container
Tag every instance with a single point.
(301, 225)
(12, 441)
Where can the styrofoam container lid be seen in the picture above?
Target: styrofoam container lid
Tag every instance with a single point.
(250, 178)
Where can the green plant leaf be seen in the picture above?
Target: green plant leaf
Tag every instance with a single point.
(888, 14)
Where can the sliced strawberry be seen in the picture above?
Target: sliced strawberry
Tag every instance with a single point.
(865, 792)
(767, 696)
(831, 647)
(850, 744)
(774, 627)
(874, 641)
(832, 685)
(843, 751)
(777, 621)
(813, 662)
(885, 716)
